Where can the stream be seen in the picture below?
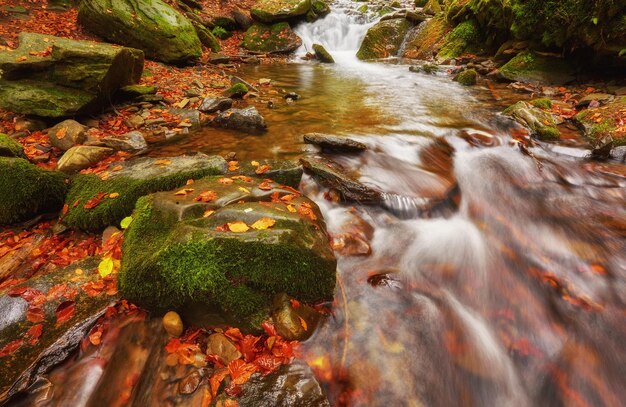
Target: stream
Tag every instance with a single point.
(514, 294)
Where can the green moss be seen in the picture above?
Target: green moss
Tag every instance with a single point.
(427, 38)
(542, 103)
(322, 54)
(27, 190)
(467, 77)
(464, 38)
(207, 38)
(238, 90)
(269, 11)
(10, 147)
(221, 33)
(548, 133)
(271, 38)
(530, 67)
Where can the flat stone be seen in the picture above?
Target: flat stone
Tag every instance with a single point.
(131, 142)
(212, 105)
(81, 157)
(247, 120)
(334, 143)
(67, 134)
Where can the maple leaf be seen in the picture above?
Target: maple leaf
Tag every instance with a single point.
(216, 380)
(34, 333)
(238, 227)
(240, 371)
(263, 223)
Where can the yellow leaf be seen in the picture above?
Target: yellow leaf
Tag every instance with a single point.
(263, 223)
(255, 163)
(238, 227)
(184, 191)
(162, 162)
(208, 213)
(246, 190)
(291, 208)
(189, 182)
(126, 222)
(105, 267)
(114, 195)
(304, 324)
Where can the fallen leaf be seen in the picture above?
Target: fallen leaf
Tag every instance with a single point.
(93, 202)
(225, 181)
(208, 213)
(246, 190)
(163, 162)
(34, 333)
(35, 314)
(263, 223)
(114, 195)
(262, 169)
(105, 267)
(125, 223)
(65, 311)
(11, 347)
(238, 227)
(291, 208)
(304, 324)
(184, 191)
(206, 196)
(61, 133)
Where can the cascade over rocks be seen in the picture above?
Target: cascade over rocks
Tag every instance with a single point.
(150, 25)
(226, 245)
(57, 77)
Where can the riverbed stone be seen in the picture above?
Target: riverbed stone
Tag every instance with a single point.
(322, 55)
(424, 40)
(277, 38)
(80, 157)
(284, 172)
(293, 320)
(531, 67)
(227, 247)
(131, 180)
(57, 77)
(161, 32)
(10, 147)
(467, 77)
(206, 37)
(539, 122)
(67, 134)
(384, 39)
(601, 123)
(27, 190)
(132, 142)
(331, 143)
(212, 105)
(248, 120)
(270, 11)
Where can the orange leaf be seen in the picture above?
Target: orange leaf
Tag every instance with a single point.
(238, 227)
(184, 191)
(207, 196)
(61, 133)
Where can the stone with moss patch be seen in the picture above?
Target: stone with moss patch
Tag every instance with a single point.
(540, 123)
(208, 38)
(425, 40)
(542, 103)
(27, 190)
(238, 90)
(131, 181)
(270, 11)
(275, 38)
(57, 77)
(384, 39)
(150, 25)
(467, 77)
(464, 38)
(10, 147)
(601, 123)
(322, 54)
(180, 252)
(531, 67)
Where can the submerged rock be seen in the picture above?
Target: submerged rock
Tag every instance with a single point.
(270, 11)
(384, 39)
(58, 77)
(150, 25)
(132, 142)
(539, 122)
(332, 175)
(322, 55)
(27, 190)
(334, 143)
(247, 120)
(228, 246)
(531, 67)
(67, 134)
(285, 172)
(276, 38)
(130, 181)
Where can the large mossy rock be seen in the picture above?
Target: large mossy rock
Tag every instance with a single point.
(226, 246)
(57, 77)
(425, 39)
(27, 190)
(37, 346)
(275, 38)
(384, 39)
(270, 11)
(10, 147)
(464, 38)
(539, 122)
(150, 25)
(531, 67)
(602, 123)
(128, 182)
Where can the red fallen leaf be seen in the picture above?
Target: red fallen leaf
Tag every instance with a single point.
(207, 196)
(11, 347)
(34, 333)
(173, 345)
(269, 328)
(17, 291)
(65, 311)
(265, 185)
(234, 334)
(35, 314)
(262, 169)
(61, 290)
(276, 197)
(216, 380)
(93, 288)
(231, 403)
(268, 363)
(248, 347)
(241, 371)
(33, 296)
(223, 228)
(93, 202)
(295, 304)
(65, 209)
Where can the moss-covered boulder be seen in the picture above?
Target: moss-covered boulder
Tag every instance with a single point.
(425, 40)
(542, 124)
(226, 246)
(10, 147)
(207, 38)
(531, 67)
(150, 25)
(45, 334)
(27, 190)
(464, 38)
(275, 38)
(601, 123)
(384, 39)
(322, 54)
(467, 77)
(57, 77)
(270, 11)
(117, 190)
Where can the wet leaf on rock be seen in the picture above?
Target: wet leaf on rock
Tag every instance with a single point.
(238, 227)
(65, 311)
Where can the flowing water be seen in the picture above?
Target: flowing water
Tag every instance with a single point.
(513, 294)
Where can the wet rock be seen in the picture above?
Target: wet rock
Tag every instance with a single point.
(134, 121)
(291, 95)
(424, 40)
(332, 175)
(81, 157)
(207, 38)
(619, 153)
(218, 344)
(55, 84)
(131, 180)
(237, 91)
(173, 324)
(226, 247)
(247, 120)
(41, 348)
(161, 32)
(234, 80)
(285, 172)
(189, 118)
(467, 77)
(10, 147)
(601, 98)
(412, 16)
(540, 123)
(464, 38)
(293, 385)
(322, 55)
(534, 68)
(277, 38)
(334, 143)
(383, 40)
(293, 320)
(270, 11)
(67, 134)
(212, 105)
(602, 122)
(134, 91)
(319, 9)
(27, 190)
(425, 68)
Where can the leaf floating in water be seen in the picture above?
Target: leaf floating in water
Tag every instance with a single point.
(262, 169)
(183, 192)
